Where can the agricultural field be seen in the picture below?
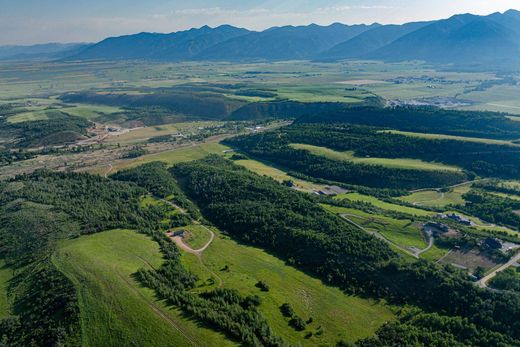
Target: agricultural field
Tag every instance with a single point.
(434, 198)
(451, 137)
(412, 164)
(338, 316)
(384, 205)
(403, 232)
(115, 309)
(5, 277)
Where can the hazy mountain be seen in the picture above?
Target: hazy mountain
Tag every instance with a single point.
(288, 42)
(183, 45)
(463, 39)
(46, 51)
(369, 41)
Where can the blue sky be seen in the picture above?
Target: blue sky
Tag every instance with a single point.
(37, 21)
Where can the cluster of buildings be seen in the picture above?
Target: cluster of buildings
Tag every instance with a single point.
(457, 218)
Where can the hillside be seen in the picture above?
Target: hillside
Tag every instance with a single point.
(288, 42)
(369, 41)
(183, 45)
(462, 39)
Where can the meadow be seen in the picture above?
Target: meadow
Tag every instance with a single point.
(401, 163)
(335, 315)
(403, 232)
(384, 205)
(451, 137)
(434, 198)
(115, 309)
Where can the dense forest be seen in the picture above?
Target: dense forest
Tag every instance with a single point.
(260, 211)
(425, 119)
(275, 147)
(492, 208)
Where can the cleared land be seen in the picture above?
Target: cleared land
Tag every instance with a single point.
(115, 309)
(469, 260)
(450, 137)
(403, 232)
(433, 198)
(340, 316)
(384, 205)
(176, 155)
(277, 174)
(196, 236)
(5, 277)
(400, 163)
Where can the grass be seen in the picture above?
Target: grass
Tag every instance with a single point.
(277, 174)
(433, 198)
(340, 316)
(5, 277)
(401, 163)
(177, 155)
(28, 117)
(404, 232)
(115, 310)
(434, 254)
(196, 237)
(91, 112)
(384, 205)
(142, 134)
(451, 137)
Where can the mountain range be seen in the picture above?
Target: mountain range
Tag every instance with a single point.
(465, 39)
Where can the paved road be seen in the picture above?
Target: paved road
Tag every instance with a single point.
(484, 280)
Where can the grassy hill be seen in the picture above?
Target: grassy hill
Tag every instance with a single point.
(115, 309)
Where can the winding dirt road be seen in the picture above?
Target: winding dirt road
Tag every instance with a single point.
(180, 243)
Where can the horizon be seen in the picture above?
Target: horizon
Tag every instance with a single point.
(60, 22)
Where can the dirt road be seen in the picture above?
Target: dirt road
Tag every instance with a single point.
(180, 243)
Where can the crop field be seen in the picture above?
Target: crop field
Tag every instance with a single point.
(433, 198)
(403, 232)
(412, 164)
(337, 315)
(277, 174)
(115, 309)
(384, 205)
(451, 137)
(5, 277)
(196, 236)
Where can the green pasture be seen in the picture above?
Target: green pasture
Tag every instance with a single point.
(433, 198)
(116, 310)
(400, 163)
(384, 205)
(340, 316)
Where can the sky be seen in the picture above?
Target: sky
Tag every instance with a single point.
(24, 22)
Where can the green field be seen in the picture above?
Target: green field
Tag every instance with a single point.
(400, 163)
(115, 309)
(176, 156)
(403, 232)
(279, 175)
(5, 277)
(433, 198)
(384, 205)
(450, 137)
(91, 112)
(340, 316)
(28, 117)
(196, 237)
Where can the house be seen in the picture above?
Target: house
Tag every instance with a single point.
(457, 218)
(332, 190)
(178, 233)
(436, 228)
